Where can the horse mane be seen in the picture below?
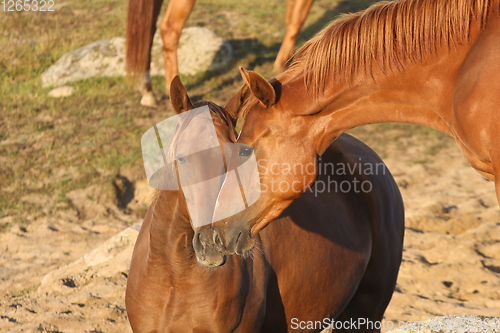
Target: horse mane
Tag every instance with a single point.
(215, 110)
(389, 35)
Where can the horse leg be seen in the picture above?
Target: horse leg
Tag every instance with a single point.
(296, 13)
(171, 27)
(148, 97)
(145, 87)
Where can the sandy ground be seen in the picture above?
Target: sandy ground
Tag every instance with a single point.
(451, 260)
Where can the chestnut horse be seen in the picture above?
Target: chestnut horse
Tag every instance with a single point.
(141, 27)
(429, 62)
(330, 255)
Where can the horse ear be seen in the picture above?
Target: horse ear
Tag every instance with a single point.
(179, 97)
(234, 105)
(259, 87)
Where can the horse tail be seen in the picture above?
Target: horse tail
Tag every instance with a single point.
(139, 35)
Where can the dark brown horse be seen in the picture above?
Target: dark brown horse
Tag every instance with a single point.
(430, 62)
(141, 27)
(330, 255)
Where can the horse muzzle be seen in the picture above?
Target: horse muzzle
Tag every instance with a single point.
(207, 252)
(212, 245)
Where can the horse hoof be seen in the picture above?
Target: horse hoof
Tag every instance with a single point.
(148, 99)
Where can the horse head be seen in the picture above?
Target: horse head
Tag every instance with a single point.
(202, 172)
(286, 159)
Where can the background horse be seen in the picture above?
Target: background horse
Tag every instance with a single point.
(428, 62)
(141, 27)
(329, 255)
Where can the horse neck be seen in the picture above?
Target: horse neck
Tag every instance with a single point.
(421, 93)
(171, 260)
(170, 234)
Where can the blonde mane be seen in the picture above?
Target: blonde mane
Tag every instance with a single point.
(389, 35)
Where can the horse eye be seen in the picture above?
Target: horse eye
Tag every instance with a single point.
(246, 151)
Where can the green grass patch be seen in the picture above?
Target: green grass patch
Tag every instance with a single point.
(27, 291)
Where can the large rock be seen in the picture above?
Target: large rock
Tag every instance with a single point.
(200, 49)
(102, 58)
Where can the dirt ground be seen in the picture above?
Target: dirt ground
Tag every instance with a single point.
(451, 260)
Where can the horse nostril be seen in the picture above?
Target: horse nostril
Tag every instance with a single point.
(198, 244)
(238, 238)
(218, 241)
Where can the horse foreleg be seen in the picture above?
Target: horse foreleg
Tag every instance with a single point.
(148, 97)
(296, 13)
(171, 27)
(145, 86)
